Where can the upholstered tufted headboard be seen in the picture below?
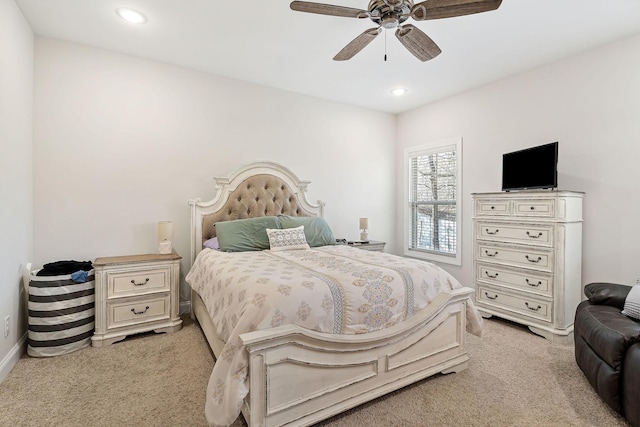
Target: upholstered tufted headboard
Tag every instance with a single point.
(257, 189)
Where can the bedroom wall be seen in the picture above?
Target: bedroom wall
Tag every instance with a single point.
(16, 140)
(122, 142)
(590, 103)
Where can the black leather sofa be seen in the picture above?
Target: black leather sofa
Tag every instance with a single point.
(607, 348)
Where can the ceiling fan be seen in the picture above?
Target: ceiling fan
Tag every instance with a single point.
(390, 14)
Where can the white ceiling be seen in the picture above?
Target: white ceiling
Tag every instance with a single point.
(264, 42)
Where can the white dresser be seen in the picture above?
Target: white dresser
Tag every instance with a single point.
(528, 258)
(136, 293)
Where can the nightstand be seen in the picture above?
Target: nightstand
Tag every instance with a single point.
(136, 293)
(373, 245)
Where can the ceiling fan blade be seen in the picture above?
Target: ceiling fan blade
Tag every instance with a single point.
(328, 9)
(437, 9)
(357, 44)
(417, 42)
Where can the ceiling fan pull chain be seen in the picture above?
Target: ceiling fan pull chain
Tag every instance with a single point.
(385, 45)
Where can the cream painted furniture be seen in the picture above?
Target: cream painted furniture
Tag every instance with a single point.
(528, 258)
(297, 376)
(137, 293)
(373, 245)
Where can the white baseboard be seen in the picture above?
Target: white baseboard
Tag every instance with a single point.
(185, 307)
(12, 358)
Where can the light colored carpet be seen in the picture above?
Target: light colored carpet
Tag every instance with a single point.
(515, 378)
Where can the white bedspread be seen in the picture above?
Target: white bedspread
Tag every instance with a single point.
(332, 289)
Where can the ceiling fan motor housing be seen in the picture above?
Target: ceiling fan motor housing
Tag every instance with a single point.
(390, 14)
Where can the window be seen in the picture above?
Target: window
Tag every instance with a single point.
(433, 208)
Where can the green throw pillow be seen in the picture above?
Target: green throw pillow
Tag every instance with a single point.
(316, 229)
(242, 235)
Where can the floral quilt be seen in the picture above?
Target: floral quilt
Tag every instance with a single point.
(332, 289)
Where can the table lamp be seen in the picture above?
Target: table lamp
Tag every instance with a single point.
(364, 226)
(165, 235)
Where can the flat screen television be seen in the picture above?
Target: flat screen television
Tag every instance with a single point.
(535, 167)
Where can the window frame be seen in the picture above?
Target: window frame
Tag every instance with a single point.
(452, 144)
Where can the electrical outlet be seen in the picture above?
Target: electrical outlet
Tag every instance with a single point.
(7, 326)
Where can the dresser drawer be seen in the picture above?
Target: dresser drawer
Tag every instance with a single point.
(138, 281)
(492, 207)
(521, 257)
(140, 310)
(515, 233)
(537, 283)
(531, 307)
(535, 208)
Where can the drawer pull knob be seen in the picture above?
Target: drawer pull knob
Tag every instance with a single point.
(533, 208)
(532, 308)
(535, 285)
(133, 310)
(490, 276)
(493, 207)
(491, 255)
(491, 297)
(491, 232)
(533, 260)
(139, 284)
(535, 237)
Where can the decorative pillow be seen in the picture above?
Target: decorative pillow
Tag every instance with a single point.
(286, 239)
(632, 303)
(241, 235)
(212, 244)
(316, 229)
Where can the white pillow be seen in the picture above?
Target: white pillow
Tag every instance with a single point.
(632, 303)
(286, 239)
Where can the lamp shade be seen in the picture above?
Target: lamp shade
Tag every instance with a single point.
(165, 231)
(364, 223)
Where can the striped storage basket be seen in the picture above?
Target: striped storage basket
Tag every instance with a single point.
(61, 314)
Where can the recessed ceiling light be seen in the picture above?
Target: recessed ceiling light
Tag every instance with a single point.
(399, 91)
(131, 15)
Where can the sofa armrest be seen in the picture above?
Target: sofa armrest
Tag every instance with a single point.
(602, 293)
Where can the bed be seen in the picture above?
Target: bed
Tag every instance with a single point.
(295, 374)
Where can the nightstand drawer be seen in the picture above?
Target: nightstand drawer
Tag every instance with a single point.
(134, 312)
(138, 281)
(525, 234)
(373, 245)
(532, 307)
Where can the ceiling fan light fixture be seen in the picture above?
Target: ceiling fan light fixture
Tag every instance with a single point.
(131, 15)
(389, 23)
(398, 91)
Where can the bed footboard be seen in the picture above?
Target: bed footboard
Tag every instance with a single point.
(299, 377)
